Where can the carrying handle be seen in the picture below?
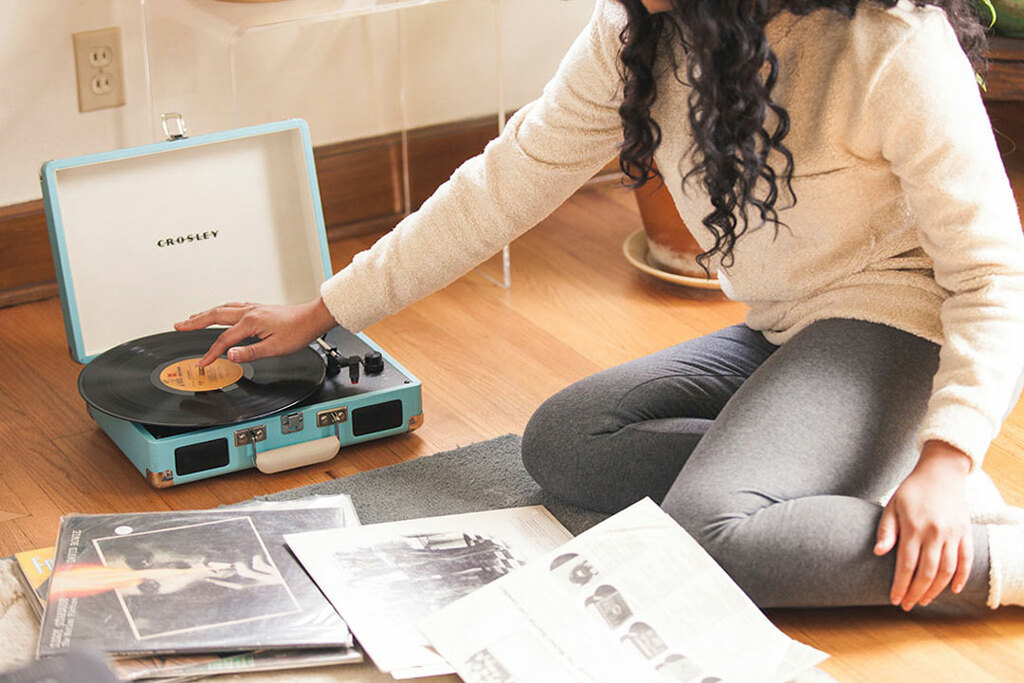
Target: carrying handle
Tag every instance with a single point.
(297, 455)
(178, 122)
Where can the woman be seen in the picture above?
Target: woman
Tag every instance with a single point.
(843, 174)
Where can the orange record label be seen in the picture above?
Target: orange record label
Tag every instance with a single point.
(185, 375)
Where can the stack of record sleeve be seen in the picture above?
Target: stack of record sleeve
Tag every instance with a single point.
(182, 594)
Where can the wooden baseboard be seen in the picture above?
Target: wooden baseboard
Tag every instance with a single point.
(26, 265)
(361, 181)
(27, 294)
(360, 189)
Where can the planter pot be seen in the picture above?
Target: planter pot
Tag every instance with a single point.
(670, 246)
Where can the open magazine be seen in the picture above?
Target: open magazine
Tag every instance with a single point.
(635, 598)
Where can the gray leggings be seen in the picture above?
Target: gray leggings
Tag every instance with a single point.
(769, 456)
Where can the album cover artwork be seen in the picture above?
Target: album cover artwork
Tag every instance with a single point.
(34, 567)
(197, 581)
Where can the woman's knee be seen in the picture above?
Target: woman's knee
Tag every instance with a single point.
(550, 445)
(711, 513)
(577, 463)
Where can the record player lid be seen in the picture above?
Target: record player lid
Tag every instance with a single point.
(142, 237)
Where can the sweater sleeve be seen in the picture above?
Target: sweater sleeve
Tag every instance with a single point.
(548, 149)
(926, 116)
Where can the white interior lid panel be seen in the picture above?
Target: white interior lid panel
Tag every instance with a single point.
(151, 239)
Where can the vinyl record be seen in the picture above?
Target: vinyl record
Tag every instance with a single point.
(155, 380)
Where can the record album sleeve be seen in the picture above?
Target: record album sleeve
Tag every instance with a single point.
(188, 582)
(34, 567)
(201, 666)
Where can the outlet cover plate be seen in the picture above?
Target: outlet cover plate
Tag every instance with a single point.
(99, 68)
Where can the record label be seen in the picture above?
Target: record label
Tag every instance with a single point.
(186, 375)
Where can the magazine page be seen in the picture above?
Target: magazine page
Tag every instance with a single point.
(185, 582)
(635, 598)
(382, 578)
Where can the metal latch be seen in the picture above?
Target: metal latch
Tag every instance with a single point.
(251, 435)
(291, 423)
(335, 416)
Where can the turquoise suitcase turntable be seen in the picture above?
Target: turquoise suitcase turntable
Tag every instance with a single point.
(145, 236)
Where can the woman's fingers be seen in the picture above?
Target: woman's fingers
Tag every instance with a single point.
(933, 525)
(888, 530)
(965, 561)
(928, 563)
(251, 352)
(947, 568)
(228, 338)
(906, 564)
(281, 329)
(232, 314)
(228, 314)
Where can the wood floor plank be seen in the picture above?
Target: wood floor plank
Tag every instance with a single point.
(36, 370)
(12, 507)
(39, 491)
(991, 644)
(113, 474)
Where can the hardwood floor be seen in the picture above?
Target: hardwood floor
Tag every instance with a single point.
(487, 358)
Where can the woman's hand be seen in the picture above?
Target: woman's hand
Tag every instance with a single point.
(928, 515)
(281, 329)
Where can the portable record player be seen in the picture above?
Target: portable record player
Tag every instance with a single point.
(142, 237)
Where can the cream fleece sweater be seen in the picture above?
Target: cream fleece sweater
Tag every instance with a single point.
(904, 215)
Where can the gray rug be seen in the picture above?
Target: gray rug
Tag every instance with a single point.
(484, 476)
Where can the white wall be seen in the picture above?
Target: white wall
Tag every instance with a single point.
(342, 76)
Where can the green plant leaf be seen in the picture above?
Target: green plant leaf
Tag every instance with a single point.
(986, 12)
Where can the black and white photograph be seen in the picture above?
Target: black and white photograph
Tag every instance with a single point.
(419, 574)
(195, 581)
(197, 576)
(384, 578)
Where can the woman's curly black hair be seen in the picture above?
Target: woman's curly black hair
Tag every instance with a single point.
(731, 70)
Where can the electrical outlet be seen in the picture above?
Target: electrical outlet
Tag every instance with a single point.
(99, 68)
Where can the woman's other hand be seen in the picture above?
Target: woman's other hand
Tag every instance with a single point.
(928, 516)
(281, 329)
